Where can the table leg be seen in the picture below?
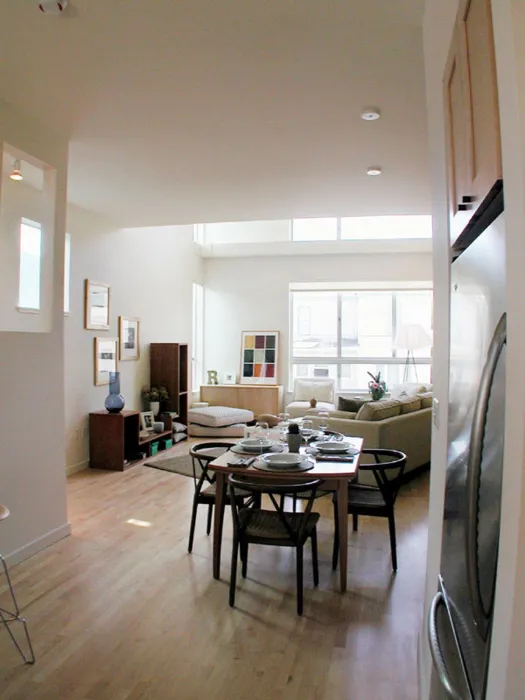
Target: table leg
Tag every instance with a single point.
(218, 521)
(342, 504)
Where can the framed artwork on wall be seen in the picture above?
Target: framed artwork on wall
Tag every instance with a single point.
(129, 338)
(106, 359)
(259, 357)
(96, 305)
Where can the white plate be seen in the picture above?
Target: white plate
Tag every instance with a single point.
(286, 460)
(255, 445)
(335, 447)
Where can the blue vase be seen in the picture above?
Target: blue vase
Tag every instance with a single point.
(114, 402)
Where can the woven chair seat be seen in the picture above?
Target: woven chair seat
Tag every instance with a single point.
(369, 497)
(211, 491)
(266, 524)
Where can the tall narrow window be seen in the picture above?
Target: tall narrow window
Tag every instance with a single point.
(198, 335)
(67, 274)
(30, 264)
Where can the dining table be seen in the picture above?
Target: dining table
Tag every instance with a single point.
(335, 474)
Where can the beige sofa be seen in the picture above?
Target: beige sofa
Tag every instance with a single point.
(403, 424)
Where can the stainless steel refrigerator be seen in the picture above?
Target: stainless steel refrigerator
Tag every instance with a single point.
(460, 618)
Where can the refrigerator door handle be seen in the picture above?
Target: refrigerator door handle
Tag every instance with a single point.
(481, 615)
(435, 648)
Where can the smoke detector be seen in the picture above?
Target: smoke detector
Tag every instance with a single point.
(51, 7)
(370, 114)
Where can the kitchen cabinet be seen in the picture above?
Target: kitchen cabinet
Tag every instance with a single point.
(471, 115)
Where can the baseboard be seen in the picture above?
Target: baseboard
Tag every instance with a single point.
(78, 467)
(38, 545)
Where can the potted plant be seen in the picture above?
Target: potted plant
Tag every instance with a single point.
(377, 386)
(152, 397)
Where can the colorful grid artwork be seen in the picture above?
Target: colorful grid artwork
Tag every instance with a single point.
(259, 355)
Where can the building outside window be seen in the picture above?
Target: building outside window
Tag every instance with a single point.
(346, 334)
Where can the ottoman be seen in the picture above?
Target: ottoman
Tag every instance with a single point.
(218, 421)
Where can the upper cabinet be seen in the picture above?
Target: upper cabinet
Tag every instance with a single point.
(472, 116)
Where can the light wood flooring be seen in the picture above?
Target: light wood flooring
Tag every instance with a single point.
(120, 611)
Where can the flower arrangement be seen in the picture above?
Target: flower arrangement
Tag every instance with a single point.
(155, 393)
(377, 386)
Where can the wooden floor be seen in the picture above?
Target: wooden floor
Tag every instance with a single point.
(120, 611)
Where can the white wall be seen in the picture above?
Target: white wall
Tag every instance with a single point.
(151, 271)
(507, 668)
(32, 475)
(253, 294)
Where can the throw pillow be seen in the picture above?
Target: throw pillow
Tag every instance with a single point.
(350, 405)
(379, 410)
(179, 427)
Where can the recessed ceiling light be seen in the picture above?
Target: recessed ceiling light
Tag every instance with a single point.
(370, 114)
(16, 173)
(374, 170)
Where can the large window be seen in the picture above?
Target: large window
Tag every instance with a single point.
(198, 336)
(362, 228)
(30, 263)
(345, 334)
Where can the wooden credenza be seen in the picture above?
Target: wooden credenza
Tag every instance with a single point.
(259, 399)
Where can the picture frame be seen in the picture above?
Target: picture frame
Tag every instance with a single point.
(147, 419)
(106, 359)
(229, 377)
(96, 305)
(259, 357)
(129, 338)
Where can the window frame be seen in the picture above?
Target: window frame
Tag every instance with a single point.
(339, 229)
(339, 361)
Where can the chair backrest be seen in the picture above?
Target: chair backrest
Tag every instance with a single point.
(201, 455)
(272, 489)
(388, 468)
(305, 389)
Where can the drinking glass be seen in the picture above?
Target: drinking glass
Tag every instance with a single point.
(322, 420)
(307, 428)
(262, 430)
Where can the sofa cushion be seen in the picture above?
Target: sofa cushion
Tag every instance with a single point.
(426, 399)
(409, 404)
(407, 389)
(320, 389)
(351, 405)
(379, 410)
(219, 416)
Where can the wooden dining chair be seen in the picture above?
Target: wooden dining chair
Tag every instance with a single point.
(388, 468)
(272, 527)
(202, 454)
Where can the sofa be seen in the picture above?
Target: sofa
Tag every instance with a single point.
(305, 389)
(403, 423)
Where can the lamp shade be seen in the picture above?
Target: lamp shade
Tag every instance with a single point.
(412, 336)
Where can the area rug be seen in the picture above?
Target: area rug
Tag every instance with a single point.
(180, 464)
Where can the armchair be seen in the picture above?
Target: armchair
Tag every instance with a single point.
(305, 389)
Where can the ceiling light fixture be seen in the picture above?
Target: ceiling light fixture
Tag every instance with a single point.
(370, 114)
(16, 173)
(374, 170)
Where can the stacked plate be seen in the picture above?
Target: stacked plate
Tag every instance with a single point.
(334, 447)
(287, 461)
(255, 445)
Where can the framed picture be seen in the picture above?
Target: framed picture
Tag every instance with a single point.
(129, 338)
(106, 359)
(146, 420)
(96, 306)
(229, 377)
(259, 357)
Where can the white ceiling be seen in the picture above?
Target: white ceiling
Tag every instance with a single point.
(183, 111)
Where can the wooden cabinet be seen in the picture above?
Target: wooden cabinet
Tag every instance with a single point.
(169, 368)
(115, 442)
(472, 115)
(259, 399)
